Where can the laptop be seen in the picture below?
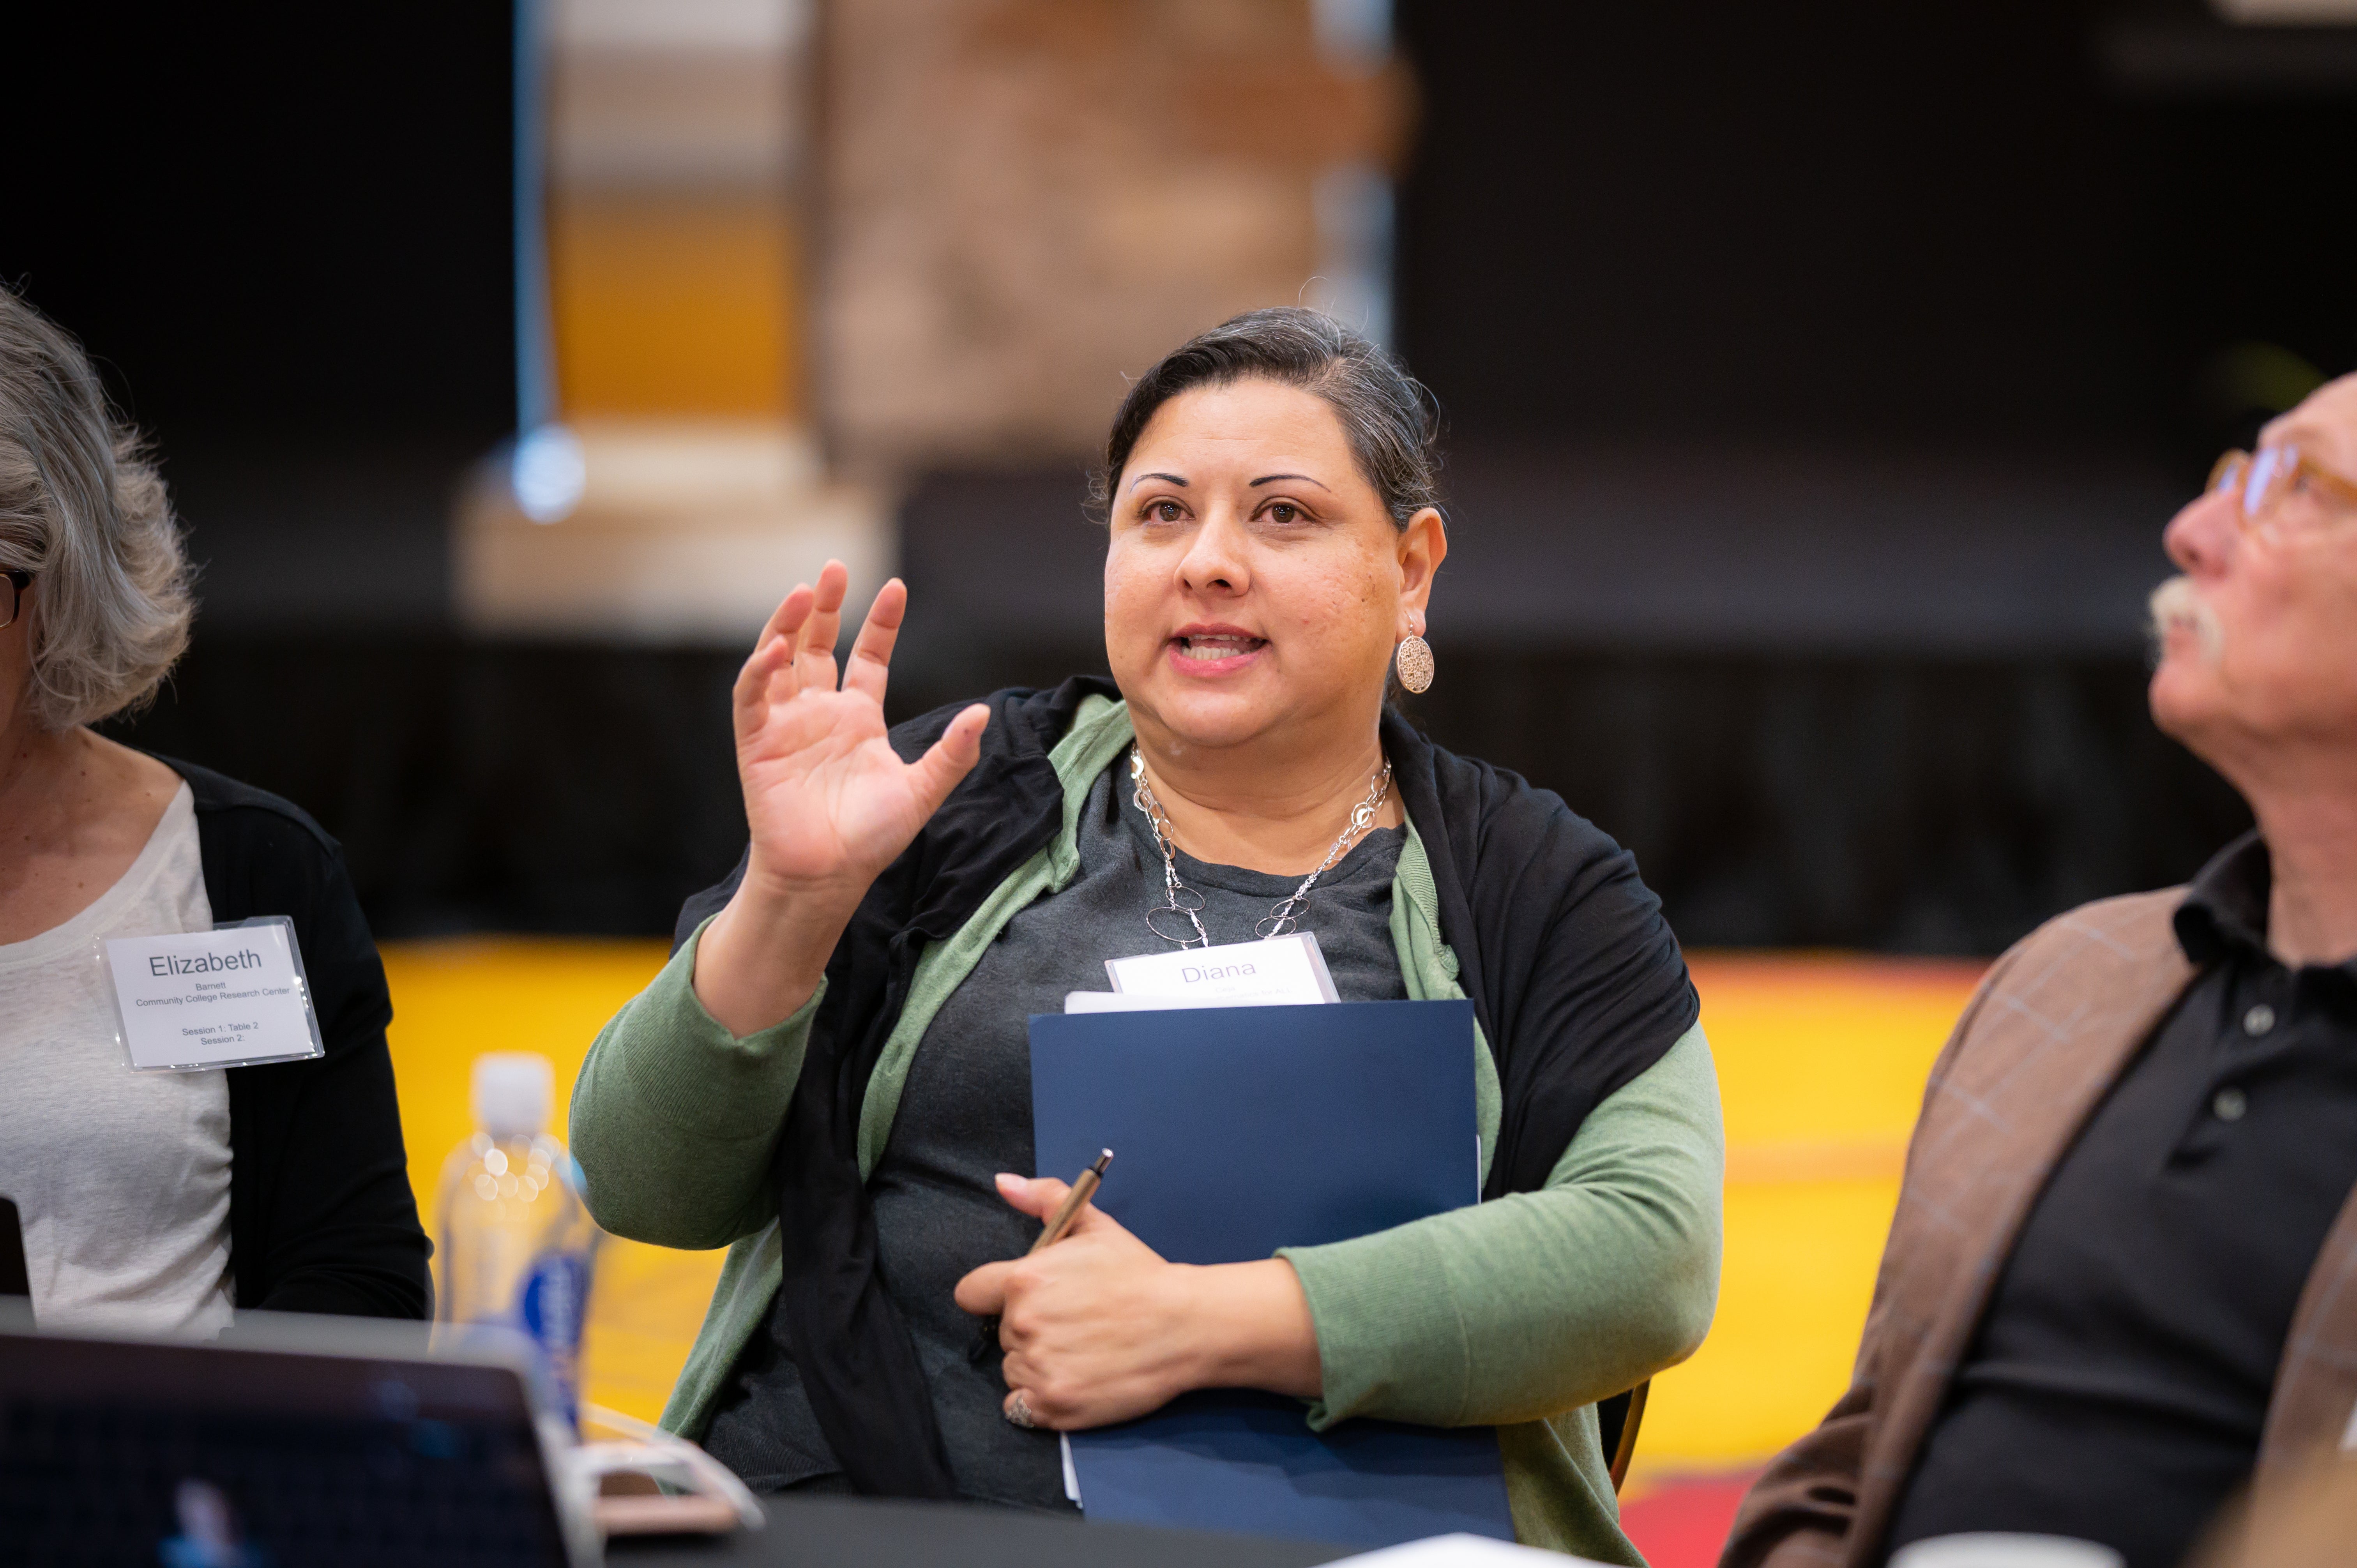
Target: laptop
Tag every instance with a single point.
(290, 1440)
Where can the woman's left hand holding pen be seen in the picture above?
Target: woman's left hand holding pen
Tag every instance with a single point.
(1099, 1329)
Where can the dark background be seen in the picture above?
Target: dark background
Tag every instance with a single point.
(284, 234)
(1952, 222)
(1818, 380)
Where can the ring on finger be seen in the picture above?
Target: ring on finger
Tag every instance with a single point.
(1019, 1412)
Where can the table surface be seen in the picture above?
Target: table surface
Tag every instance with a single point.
(845, 1532)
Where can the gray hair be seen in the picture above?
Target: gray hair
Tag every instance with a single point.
(83, 509)
(1391, 419)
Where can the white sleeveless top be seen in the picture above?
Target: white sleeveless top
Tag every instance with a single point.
(121, 1177)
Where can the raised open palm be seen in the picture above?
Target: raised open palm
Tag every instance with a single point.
(830, 804)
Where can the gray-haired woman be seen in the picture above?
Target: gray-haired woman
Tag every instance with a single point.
(832, 1074)
(159, 1201)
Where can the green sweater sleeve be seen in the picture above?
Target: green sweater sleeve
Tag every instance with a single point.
(1537, 1303)
(674, 1119)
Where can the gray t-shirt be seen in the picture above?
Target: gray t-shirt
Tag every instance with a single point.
(965, 1114)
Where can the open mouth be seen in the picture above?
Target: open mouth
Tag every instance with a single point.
(1211, 651)
(1225, 646)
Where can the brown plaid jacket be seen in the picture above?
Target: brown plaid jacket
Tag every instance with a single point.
(2055, 1022)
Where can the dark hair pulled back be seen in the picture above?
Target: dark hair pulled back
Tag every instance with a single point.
(1391, 421)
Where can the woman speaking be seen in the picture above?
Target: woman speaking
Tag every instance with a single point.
(832, 1073)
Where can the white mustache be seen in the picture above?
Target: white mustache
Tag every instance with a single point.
(2179, 603)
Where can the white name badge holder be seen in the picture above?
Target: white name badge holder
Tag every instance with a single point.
(1281, 971)
(193, 1000)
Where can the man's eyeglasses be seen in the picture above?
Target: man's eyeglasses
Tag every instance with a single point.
(2267, 481)
(10, 601)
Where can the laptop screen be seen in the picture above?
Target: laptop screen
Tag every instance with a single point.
(218, 1456)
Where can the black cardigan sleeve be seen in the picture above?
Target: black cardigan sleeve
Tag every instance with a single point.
(321, 1216)
(1578, 981)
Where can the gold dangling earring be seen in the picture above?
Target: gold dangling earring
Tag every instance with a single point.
(1413, 661)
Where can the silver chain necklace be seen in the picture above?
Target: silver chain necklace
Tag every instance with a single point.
(1178, 899)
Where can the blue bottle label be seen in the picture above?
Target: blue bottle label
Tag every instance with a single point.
(550, 1308)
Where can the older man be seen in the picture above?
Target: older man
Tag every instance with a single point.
(2123, 1276)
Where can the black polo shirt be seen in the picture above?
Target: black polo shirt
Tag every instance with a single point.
(2116, 1388)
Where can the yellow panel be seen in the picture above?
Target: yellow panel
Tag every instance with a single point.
(453, 1001)
(675, 305)
(1821, 1060)
(1793, 1289)
(1826, 1048)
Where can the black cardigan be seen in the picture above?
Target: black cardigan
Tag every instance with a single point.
(320, 1215)
(1576, 981)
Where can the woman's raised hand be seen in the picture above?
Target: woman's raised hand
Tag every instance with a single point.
(829, 802)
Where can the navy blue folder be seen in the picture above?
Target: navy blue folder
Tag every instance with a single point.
(1237, 1131)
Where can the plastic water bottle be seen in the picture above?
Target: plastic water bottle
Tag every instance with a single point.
(516, 1241)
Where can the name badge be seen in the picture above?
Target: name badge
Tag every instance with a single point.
(1281, 969)
(231, 996)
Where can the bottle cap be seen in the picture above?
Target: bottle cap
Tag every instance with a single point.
(511, 1093)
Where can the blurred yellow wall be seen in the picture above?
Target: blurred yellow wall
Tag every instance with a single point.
(676, 304)
(1821, 1065)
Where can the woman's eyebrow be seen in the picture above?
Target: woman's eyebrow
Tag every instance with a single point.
(1272, 479)
(1142, 477)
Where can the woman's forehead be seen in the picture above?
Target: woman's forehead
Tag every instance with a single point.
(1256, 424)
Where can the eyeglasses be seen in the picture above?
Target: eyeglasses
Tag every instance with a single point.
(18, 581)
(2264, 481)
